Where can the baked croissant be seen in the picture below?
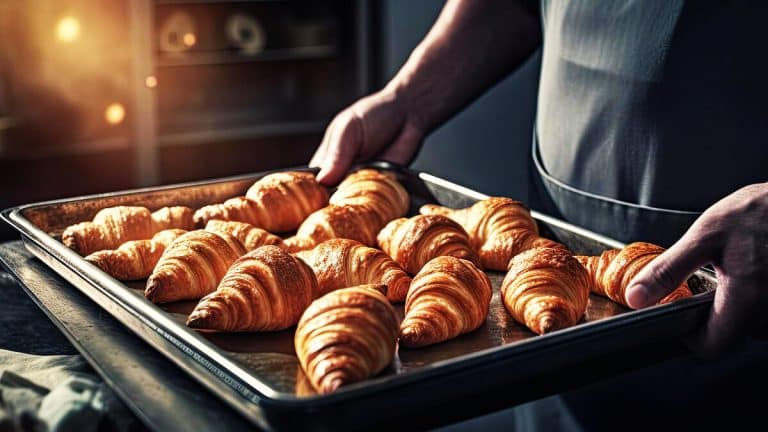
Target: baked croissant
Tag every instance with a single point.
(341, 263)
(613, 270)
(250, 236)
(278, 202)
(546, 289)
(266, 289)
(499, 228)
(362, 204)
(375, 189)
(346, 336)
(448, 297)
(415, 241)
(134, 259)
(192, 266)
(114, 226)
(350, 222)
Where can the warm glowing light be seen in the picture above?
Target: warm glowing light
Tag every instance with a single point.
(150, 81)
(68, 29)
(115, 113)
(189, 39)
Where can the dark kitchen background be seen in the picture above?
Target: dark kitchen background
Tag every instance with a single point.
(102, 96)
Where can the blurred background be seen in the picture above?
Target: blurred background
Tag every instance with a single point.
(102, 96)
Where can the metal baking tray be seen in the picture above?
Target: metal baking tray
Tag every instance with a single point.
(501, 363)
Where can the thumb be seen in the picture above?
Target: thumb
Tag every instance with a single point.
(667, 271)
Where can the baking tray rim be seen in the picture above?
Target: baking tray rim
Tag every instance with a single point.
(251, 387)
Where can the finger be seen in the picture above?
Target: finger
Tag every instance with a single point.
(322, 149)
(727, 323)
(667, 271)
(343, 145)
(403, 149)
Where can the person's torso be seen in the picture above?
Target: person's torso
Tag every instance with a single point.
(654, 102)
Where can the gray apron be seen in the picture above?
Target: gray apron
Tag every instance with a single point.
(623, 221)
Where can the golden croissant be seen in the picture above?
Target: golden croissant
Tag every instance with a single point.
(266, 289)
(114, 226)
(250, 236)
(192, 266)
(613, 270)
(415, 241)
(499, 228)
(278, 202)
(346, 336)
(341, 263)
(362, 204)
(448, 297)
(350, 222)
(374, 189)
(135, 259)
(546, 289)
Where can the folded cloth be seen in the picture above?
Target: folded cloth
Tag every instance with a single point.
(57, 393)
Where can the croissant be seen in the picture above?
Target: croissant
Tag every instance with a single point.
(546, 289)
(192, 266)
(114, 226)
(499, 228)
(278, 202)
(346, 336)
(266, 289)
(613, 270)
(350, 222)
(371, 188)
(341, 263)
(362, 204)
(134, 259)
(415, 241)
(448, 297)
(250, 236)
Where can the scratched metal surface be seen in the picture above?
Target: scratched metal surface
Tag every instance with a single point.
(269, 357)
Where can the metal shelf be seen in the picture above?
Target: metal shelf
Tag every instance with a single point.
(201, 58)
(32, 152)
(233, 134)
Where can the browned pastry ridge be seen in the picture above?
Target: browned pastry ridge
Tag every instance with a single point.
(346, 336)
(278, 202)
(613, 270)
(546, 289)
(250, 236)
(114, 226)
(341, 263)
(499, 228)
(267, 289)
(350, 222)
(448, 297)
(412, 242)
(362, 204)
(375, 189)
(192, 266)
(135, 259)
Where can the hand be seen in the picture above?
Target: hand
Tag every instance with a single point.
(732, 235)
(378, 126)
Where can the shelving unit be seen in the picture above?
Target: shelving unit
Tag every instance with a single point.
(235, 98)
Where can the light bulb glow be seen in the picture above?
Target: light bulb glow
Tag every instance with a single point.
(68, 29)
(115, 113)
(150, 81)
(189, 39)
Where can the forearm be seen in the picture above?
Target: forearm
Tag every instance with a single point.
(472, 45)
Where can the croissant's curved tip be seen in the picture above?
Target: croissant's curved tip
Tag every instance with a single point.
(413, 337)
(332, 384)
(202, 319)
(548, 324)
